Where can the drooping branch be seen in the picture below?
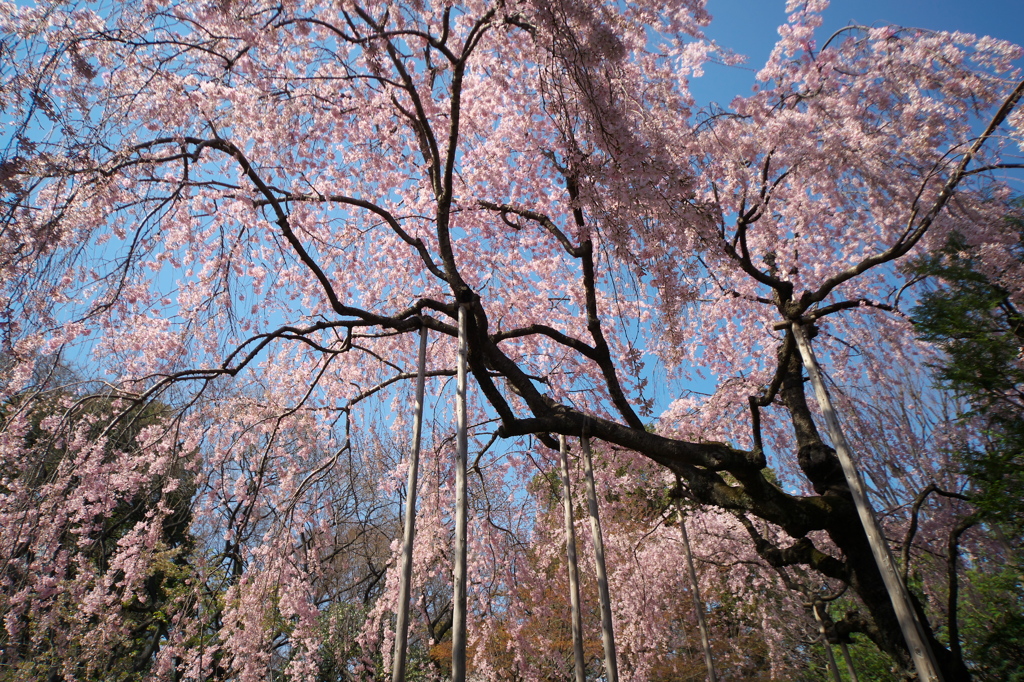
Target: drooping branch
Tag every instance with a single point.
(432, 153)
(914, 233)
(915, 509)
(601, 348)
(550, 332)
(542, 220)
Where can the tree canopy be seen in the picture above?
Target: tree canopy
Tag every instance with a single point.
(244, 212)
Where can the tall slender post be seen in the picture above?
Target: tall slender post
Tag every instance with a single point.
(574, 575)
(611, 665)
(913, 632)
(849, 662)
(698, 604)
(823, 631)
(459, 568)
(405, 586)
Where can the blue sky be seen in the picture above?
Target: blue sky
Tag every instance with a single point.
(749, 27)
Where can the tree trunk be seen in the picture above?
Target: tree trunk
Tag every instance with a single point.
(916, 638)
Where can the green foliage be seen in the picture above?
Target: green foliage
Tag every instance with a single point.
(869, 662)
(975, 324)
(993, 624)
(982, 333)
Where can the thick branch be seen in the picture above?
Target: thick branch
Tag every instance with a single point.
(802, 552)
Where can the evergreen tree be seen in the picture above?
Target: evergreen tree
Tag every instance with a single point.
(981, 331)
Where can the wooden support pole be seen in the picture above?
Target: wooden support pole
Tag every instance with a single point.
(405, 586)
(921, 653)
(698, 603)
(459, 560)
(832, 667)
(849, 662)
(611, 665)
(579, 664)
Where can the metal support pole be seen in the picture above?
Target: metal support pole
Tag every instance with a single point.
(922, 655)
(405, 586)
(698, 604)
(574, 575)
(611, 665)
(459, 561)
